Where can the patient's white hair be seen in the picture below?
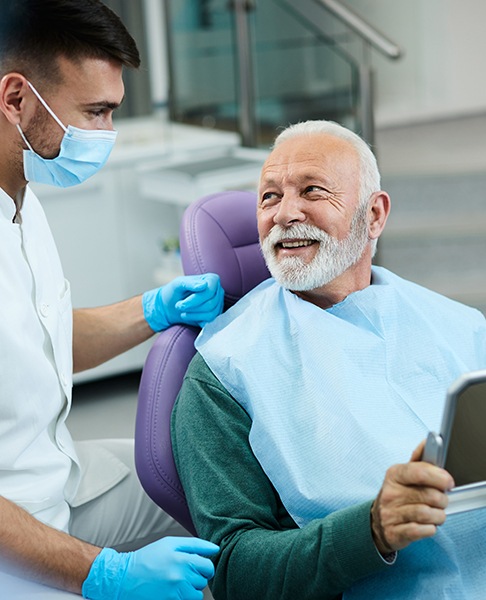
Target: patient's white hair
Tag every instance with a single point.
(370, 179)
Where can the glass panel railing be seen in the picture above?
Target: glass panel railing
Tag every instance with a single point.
(298, 73)
(137, 102)
(202, 63)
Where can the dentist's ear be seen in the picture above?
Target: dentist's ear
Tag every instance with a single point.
(13, 90)
(379, 209)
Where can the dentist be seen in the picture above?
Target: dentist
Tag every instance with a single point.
(73, 516)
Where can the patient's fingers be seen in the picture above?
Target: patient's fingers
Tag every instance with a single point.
(410, 504)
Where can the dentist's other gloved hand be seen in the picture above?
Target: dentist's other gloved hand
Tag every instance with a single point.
(172, 568)
(190, 299)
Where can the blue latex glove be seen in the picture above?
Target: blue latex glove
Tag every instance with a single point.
(191, 299)
(172, 568)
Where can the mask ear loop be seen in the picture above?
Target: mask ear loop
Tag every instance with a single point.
(26, 141)
(47, 107)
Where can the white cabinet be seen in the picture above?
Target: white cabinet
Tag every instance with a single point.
(85, 223)
(183, 180)
(199, 173)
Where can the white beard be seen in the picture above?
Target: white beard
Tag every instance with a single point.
(332, 259)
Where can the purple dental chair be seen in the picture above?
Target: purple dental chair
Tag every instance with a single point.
(218, 234)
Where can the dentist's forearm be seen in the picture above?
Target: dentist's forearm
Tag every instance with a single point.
(105, 332)
(32, 550)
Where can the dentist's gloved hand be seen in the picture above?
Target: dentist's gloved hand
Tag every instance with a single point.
(190, 299)
(172, 568)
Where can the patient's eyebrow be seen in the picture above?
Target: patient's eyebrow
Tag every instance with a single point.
(268, 181)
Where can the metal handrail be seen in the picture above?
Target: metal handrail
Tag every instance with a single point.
(366, 31)
(368, 34)
(247, 113)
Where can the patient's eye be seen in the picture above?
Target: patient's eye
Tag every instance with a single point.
(268, 198)
(316, 192)
(314, 188)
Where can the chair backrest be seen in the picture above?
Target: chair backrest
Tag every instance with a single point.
(219, 235)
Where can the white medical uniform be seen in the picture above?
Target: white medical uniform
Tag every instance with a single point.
(38, 465)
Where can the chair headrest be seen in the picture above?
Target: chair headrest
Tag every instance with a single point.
(219, 234)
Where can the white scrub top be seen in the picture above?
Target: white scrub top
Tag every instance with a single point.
(38, 466)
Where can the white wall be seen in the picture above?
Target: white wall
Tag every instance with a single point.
(442, 72)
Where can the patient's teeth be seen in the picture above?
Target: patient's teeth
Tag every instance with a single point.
(297, 243)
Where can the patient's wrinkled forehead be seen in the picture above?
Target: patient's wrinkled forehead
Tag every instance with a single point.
(320, 155)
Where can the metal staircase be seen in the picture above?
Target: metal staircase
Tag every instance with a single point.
(256, 65)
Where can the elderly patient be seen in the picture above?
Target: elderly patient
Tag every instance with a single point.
(297, 419)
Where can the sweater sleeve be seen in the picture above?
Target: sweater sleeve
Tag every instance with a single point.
(232, 502)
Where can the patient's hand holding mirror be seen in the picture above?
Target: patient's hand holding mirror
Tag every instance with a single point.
(460, 447)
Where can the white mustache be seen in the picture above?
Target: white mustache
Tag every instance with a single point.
(301, 231)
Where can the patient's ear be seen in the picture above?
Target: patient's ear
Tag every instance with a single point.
(379, 209)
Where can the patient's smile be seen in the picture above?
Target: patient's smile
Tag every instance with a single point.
(296, 243)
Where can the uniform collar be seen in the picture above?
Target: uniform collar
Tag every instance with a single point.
(10, 209)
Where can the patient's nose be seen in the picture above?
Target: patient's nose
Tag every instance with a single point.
(290, 210)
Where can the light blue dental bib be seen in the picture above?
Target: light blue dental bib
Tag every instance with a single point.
(337, 396)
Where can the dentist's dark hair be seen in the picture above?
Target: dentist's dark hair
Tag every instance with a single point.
(35, 33)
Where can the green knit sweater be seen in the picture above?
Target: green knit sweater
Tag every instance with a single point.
(264, 555)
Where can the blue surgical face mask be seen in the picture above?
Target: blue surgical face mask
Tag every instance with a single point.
(82, 154)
